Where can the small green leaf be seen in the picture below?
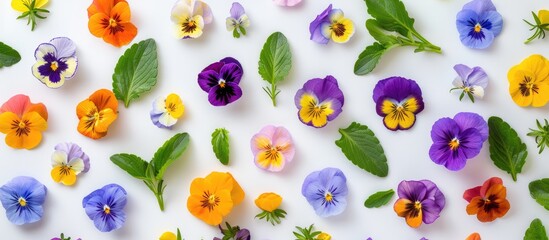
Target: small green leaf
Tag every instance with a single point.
(361, 146)
(132, 164)
(379, 199)
(391, 15)
(536, 231)
(539, 190)
(368, 59)
(376, 31)
(136, 71)
(220, 143)
(507, 151)
(169, 152)
(275, 60)
(8, 56)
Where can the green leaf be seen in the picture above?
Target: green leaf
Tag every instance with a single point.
(539, 190)
(536, 231)
(376, 31)
(369, 58)
(391, 15)
(275, 60)
(507, 151)
(8, 56)
(379, 199)
(132, 164)
(136, 71)
(169, 152)
(360, 146)
(220, 144)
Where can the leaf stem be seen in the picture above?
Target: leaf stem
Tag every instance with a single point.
(273, 93)
(432, 47)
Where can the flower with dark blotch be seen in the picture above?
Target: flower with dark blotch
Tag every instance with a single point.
(398, 100)
(23, 197)
(97, 113)
(488, 201)
(326, 191)
(458, 139)
(471, 81)
(478, 23)
(105, 206)
(529, 82)
(419, 201)
(167, 110)
(189, 18)
(55, 62)
(68, 161)
(319, 101)
(272, 147)
(220, 80)
(110, 20)
(331, 24)
(23, 122)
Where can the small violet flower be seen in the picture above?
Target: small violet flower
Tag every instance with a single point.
(167, 110)
(55, 62)
(472, 81)
(272, 147)
(67, 161)
(326, 191)
(287, 3)
(238, 21)
(419, 201)
(331, 24)
(23, 197)
(398, 100)
(105, 206)
(478, 23)
(319, 101)
(220, 80)
(190, 17)
(23, 122)
(458, 139)
(488, 201)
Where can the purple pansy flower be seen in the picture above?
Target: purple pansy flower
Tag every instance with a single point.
(22, 197)
(419, 201)
(331, 24)
(472, 81)
(398, 100)
(478, 23)
(105, 207)
(456, 140)
(326, 191)
(220, 80)
(319, 101)
(55, 62)
(238, 21)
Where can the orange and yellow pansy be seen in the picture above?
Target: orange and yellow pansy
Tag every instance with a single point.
(23, 122)
(97, 113)
(110, 20)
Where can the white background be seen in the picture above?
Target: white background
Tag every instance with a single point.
(181, 60)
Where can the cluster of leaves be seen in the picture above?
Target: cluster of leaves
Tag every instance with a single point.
(539, 27)
(136, 71)
(275, 62)
(507, 151)
(8, 56)
(33, 12)
(152, 172)
(234, 233)
(272, 217)
(220, 144)
(306, 233)
(390, 16)
(541, 135)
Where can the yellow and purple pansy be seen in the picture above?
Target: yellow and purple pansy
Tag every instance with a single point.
(419, 201)
(319, 101)
(67, 161)
(220, 80)
(167, 110)
(55, 62)
(331, 24)
(398, 100)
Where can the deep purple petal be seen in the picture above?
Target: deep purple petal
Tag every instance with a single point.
(431, 211)
(237, 10)
(208, 79)
(480, 6)
(397, 88)
(231, 73)
(467, 120)
(412, 190)
(444, 130)
(222, 96)
(216, 66)
(470, 142)
(314, 27)
(65, 47)
(228, 60)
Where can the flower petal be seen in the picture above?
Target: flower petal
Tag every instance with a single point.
(65, 47)
(237, 10)
(466, 120)
(95, 24)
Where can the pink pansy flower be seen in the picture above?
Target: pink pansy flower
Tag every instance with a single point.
(287, 3)
(272, 148)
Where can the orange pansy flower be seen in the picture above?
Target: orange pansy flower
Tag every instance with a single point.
(268, 201)
(214, 196)
(110, 20)
(473, 236)
(23, 122)
(488, 201)
(96, 113)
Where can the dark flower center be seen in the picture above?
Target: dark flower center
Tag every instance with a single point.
(338, 29)
(477, 27)
(106, 209)
(189, 26)
(527, 87)
(487, 204)
(413, 208)
(209, 201)
(113, 24)
(21, 127)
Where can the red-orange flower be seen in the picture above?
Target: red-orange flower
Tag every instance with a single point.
(110, 20)
(473, 236)
(23, 122)
(96, 113)
(488, 201)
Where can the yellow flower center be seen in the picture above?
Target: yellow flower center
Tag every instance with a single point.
(338, 29)
(54, 65)
(209, 201)
(454, 144)
(222, 83)
(417, 205)
(113, 23)
(478, 27)
(189, 26)
(96, 115)
(107, 209)
(328, 197)
(22, 201)
(21, 127)
(65, 170)
(527, 87)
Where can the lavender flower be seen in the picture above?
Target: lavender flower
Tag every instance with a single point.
(326, 191)
(22, 197)
(105, 206)
(472, 81)
(478, 23)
